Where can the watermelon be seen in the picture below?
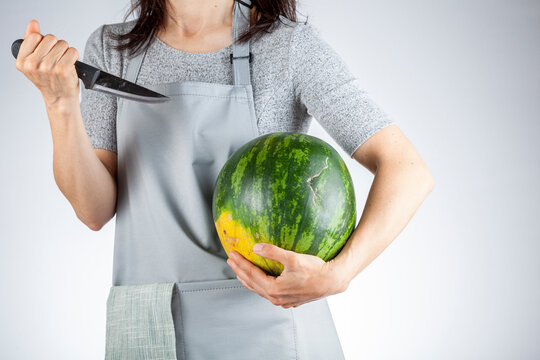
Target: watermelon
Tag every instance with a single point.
(288, 189)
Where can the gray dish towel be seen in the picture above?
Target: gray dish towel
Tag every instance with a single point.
(140, 323)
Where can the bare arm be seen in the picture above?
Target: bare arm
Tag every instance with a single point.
(85, 176)
(402, 182)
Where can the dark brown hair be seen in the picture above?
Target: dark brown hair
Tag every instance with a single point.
(151, 18)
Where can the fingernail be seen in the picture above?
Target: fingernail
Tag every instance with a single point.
(233, 255)
(257, 247)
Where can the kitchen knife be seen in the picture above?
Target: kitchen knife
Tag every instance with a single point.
(99, 80)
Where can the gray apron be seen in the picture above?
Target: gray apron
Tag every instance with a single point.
(173, 294)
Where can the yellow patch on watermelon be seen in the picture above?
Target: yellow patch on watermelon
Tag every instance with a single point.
(233, 236)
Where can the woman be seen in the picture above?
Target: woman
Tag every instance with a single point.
(175, 295)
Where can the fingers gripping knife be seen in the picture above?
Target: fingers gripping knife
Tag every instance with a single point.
(99, 80)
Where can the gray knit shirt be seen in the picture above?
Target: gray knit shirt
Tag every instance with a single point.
(296, 76)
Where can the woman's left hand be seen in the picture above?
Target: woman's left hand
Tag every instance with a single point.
(304, 278)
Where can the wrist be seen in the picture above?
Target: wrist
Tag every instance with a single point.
(61, 106)
(337, 277)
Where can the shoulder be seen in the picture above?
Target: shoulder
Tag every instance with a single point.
(101, 36)
(307, 40)
(100, 47)
(286, 31)
(288, 40)
(301, 39)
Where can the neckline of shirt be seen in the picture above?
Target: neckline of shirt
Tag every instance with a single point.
(193, 55)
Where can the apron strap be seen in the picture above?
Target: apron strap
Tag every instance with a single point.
(240, 58)
(133, 66)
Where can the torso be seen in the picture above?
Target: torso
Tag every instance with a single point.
(277, 108)
(277, 105)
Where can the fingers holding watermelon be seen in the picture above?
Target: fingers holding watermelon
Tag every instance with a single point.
(245, 284)
(304, 278)
(250, 275)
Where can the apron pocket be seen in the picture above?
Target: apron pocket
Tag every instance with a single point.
(224, 320)
(140, 323)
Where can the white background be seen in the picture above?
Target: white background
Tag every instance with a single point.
(462, 80)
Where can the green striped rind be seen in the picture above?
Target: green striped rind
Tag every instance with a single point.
(264, 185)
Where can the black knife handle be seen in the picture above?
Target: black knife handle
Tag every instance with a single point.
(15, 47)
(87, 73)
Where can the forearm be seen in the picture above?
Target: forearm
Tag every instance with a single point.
(396, 193)
(78, 172)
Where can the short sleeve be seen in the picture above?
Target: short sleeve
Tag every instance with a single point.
(98, 109)
(330, 92)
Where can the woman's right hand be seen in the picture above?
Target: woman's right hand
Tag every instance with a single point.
(49, 64)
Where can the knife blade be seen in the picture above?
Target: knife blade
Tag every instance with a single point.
(99, 80)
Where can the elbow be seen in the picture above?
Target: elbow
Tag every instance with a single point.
(428, 181)
(97, 219)
(94, 226)
(97, 223)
